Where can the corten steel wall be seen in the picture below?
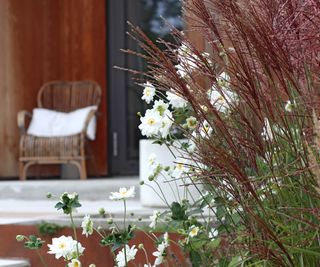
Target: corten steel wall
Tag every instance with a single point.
(94, 253)
(43, 40)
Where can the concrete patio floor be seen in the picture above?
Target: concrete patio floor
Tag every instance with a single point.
(26, 203)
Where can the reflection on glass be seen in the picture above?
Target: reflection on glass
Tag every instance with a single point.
(155, 18)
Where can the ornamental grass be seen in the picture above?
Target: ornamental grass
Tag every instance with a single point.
(260, 160)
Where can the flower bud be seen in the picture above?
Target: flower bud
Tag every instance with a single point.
(141, 182)
(102, 211)
(140, 246)
(20, 238)
(167, 168)
(49, 195)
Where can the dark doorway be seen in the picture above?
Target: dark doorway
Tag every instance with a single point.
(124, 100)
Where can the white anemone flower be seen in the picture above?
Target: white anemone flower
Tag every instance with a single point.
(66, 247)
(150, 123)
(154, 218)
(87, 226)
(61, 246)
(128, 253)
(160, 106)
(193, 231)
(175, 100)
(148, 92)
(289, 106)
(191, 146)
(221, 99)
(179, 170)
(74, 263)
(123, 193)
(224, 80)
(205, 130)
(159, 254)
(191, 122)
(76, 247)
(213, 233)
(167, 122)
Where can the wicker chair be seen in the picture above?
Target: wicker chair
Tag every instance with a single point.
(65, 97)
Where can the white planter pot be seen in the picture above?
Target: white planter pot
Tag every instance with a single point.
(173, 190)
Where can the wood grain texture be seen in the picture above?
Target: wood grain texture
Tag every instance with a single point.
(44, 40)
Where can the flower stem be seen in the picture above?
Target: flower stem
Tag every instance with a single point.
(74, 233)
(41, 258)
(125, 229)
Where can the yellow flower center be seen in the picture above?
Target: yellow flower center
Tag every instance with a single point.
(220, 98)
(147, 92)
(194, 231)
(179, 166)
(62, 245)
(191, 123)
(151, 121)
(123, 193)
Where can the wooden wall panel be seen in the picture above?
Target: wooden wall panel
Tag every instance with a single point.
(43, 40)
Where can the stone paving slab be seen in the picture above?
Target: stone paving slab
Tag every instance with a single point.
(91, 189)
(25, 202)
(14, 263)
(14, 211)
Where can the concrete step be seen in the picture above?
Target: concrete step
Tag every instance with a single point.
(91, 189)
(14, 263)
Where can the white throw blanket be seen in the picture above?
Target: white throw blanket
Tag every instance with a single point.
(50, 123)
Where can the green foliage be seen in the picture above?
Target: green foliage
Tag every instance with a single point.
(33, 242)
(68, 202)
(49, 229)
(178, 212)
(116, 239)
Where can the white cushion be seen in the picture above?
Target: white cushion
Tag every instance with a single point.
(50, 123)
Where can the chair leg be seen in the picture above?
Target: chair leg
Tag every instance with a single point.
(22, 171)
(83, 171)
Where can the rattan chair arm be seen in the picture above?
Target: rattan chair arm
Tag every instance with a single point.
(91, 114)
(21, 120)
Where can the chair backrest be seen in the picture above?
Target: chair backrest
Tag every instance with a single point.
(67, 96)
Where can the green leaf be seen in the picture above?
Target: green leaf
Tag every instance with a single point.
(195, 258)
(236, 261)
(33, 242)
(178, 212)
(215, 243)
(59, 205)
(48, 228)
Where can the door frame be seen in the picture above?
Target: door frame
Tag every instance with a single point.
(117, 16)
